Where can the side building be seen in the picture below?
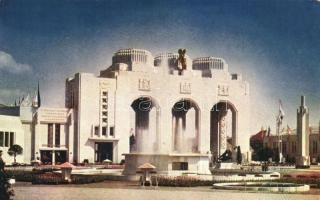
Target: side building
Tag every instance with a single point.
(43, 133)
(290, 144)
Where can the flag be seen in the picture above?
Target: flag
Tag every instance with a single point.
(269, 130)
(38, 96)
(288, 129)
(281, 112)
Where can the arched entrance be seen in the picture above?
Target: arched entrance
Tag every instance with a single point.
(145, 137)
(223, 120)
(185, 126)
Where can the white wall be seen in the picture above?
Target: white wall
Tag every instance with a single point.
(12, 124)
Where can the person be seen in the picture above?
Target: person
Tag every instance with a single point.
(2, 163)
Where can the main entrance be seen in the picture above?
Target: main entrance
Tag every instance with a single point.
(103, 151)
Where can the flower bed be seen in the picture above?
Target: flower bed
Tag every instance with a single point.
(48, 178)
(312, 180)
(53, 178)
(84, 179)
(182, 181)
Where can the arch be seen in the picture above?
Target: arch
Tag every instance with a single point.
(185, 126)
(219, 126)
(146, 135)
(192, 101)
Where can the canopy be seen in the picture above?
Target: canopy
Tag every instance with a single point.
(66, 165)
(146, 166)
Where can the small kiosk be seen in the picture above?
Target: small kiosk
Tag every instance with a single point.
(66, 169)
(146, 170)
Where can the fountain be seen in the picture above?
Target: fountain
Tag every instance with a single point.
(263, 186)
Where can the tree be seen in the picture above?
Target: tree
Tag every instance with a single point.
(264, 154)
(239, 155)
(15, 150)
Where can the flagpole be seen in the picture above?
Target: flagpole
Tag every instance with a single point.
(279, 140)
(279, 126)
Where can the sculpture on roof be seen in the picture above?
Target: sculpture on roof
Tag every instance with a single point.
(182, 64)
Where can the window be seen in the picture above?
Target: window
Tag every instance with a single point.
(11, 139)
(1, 138)
(314, 147)
(6, 139)
(105, 106)
(104, 100)
(104, 93)
(111, 131)
(104, 113)
(105, 120)
(50, 135)
(96, 130)
(104, 130)
(179, 166)
(57, 135)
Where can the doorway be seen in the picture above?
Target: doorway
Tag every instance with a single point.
(103, 151)
(60, 157)
(46, 157)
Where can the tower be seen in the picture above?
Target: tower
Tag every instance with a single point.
(303, 158)
(36, 102)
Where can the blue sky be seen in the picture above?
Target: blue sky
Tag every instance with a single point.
(274, 44)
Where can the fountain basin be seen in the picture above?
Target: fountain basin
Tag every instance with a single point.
(263, 186)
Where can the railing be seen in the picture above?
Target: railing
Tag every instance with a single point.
(51, 145)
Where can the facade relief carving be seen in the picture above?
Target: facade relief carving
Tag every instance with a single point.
(185, 88)
(144, 84)
(223, 90)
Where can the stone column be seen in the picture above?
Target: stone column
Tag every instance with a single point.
(222, 132)
(173, 139)
(214, 133)
(234, 129)
(179, 134)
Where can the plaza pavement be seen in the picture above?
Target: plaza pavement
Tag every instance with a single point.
(118, 192)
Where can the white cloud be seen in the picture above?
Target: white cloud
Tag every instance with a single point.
(7, 63)
(7, 96)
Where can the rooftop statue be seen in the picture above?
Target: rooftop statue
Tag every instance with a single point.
(182, 64)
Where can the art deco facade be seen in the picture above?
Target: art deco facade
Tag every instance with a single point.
(145, 106)
(142, 106)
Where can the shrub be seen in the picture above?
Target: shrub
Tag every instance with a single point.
(45, 169)
(22, 175)
(112, 167)
(6, 192)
